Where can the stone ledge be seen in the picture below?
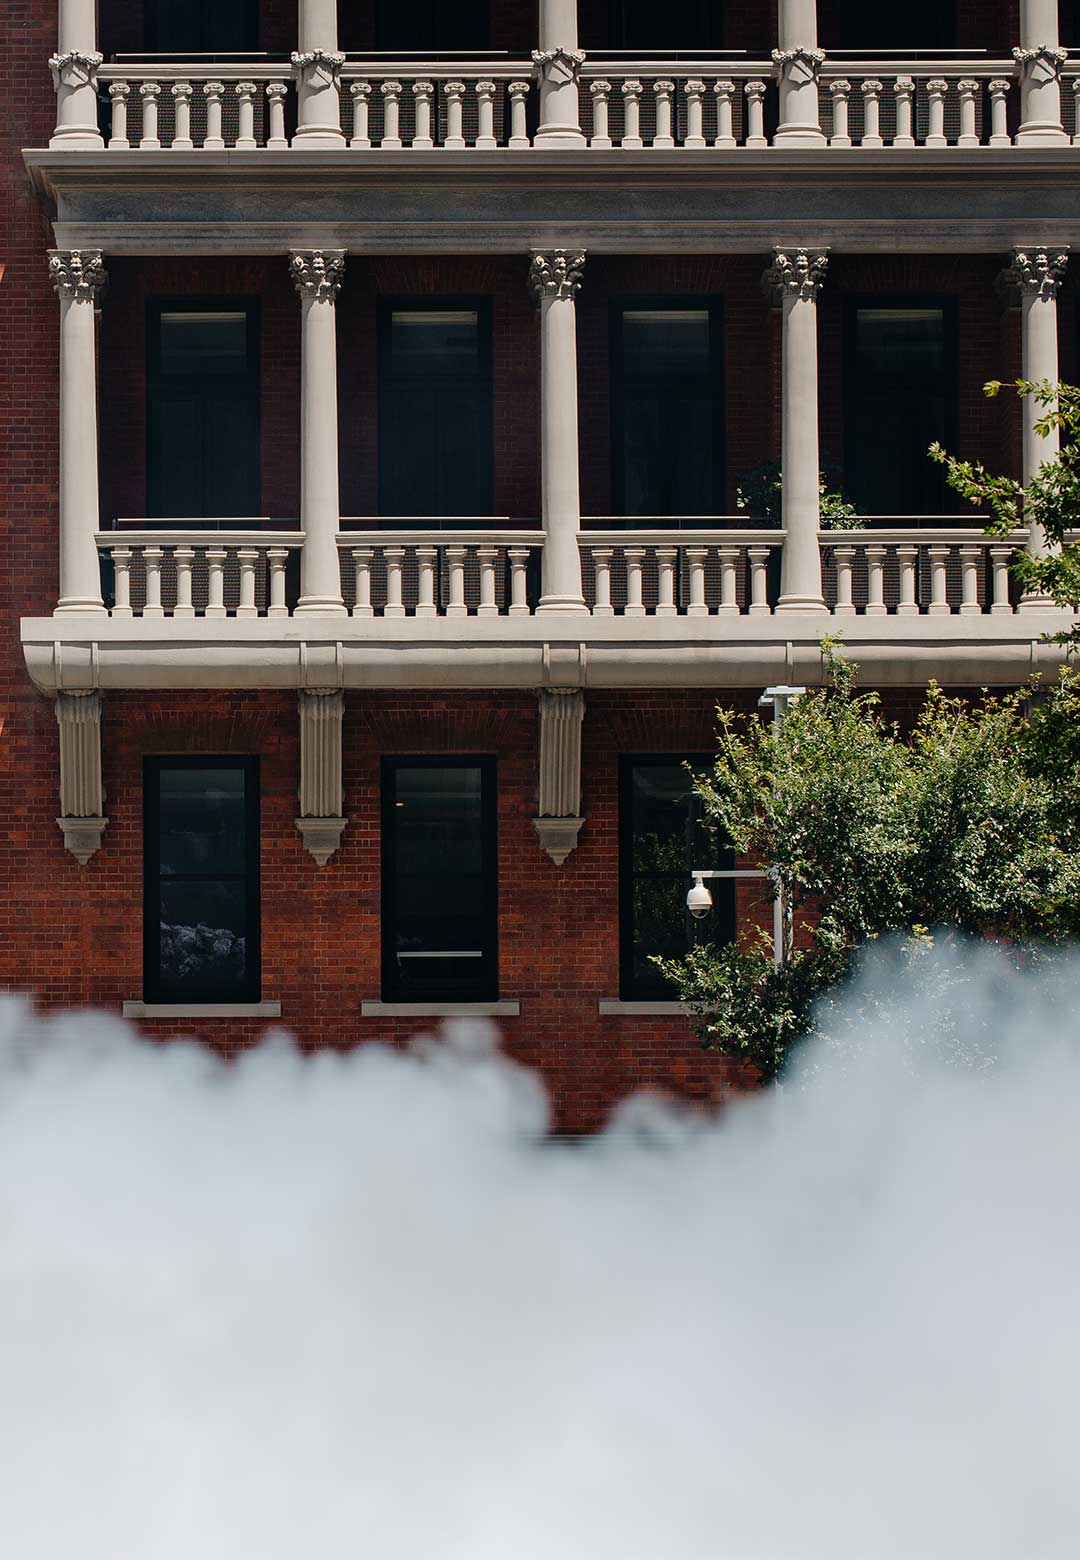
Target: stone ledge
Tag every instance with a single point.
(615, 1007)
(202, 1009)
(507, 1007)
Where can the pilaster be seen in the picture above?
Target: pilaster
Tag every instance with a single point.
(321, 822)
(562, 711)
(82, 798)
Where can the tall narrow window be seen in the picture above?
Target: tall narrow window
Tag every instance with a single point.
(202, 412)
(178, 27)
(646, 26)
(661, 840)
(900, 395)
(435, 410)
(917, 24)
(201, 915)
(433, 26)
(439, 880)
(667, 409)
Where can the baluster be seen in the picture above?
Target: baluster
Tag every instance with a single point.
(759, 586)
(519, 135)
(875, 580)
(181, 141)
(695, 568)
(839, 90)
(695, 115)
(488, 557)
(391, 136)
(519, 599)
(426, 559)
(904, 91)
(871, 92)
(939, 600)
(631, 137)
(601, 557)
(663, 139)
(999, 559)
(454, 92)
(729, 595)
(844, 558)
(967, 90)
(183, 557)
(121, 557)
(724, 92)
(215, 596)
(362, 557)
(276, 92)
(152, 557)
(360, 92)
(148, 141)
(999, 111)
(755, 114)
(394, 558)
(908, 559)
(247, 557)
(969, 580)
(277, 558)
(485, 93)
(599, 91)
(455, 568)
(423, 92)
(245, 92)
(118, 139)
(213, 91)
(665, 595)
(936, 90)
(635, 606)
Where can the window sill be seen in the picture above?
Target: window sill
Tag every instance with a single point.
(613, 1007)
(506, 1008)
(202, 1009)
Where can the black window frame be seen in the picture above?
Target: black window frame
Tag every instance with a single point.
(948, 303)
(487, 986)
(630, 303)
(632, 989)
(154, 989)
(388, 306)
(156, 381)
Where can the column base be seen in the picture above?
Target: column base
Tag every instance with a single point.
(322, 605)
(561, 604)
(801, 604)
(1042, 135)
(80, 138)
(68, 604)
(559, 137)
(800, 135)
(317, 137)
(1038, 603)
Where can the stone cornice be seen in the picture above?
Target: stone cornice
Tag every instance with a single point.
(796, 273)
(557, 273)
(77, 273)
(317, 273)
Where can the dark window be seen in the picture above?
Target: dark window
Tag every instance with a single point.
(913, 24)
(202, 415)
(644, 25)
(435, 409)
(1070, 23)
(667, 408)
(900, 396)
(430, 26)
(661, 840)
(439, 880)
(176, 27)
(201, 913)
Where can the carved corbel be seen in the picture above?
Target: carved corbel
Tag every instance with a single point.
(82, 797)
(321, 822)
(562, 711)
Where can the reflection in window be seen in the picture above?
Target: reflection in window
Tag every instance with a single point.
(439, 880)
(661, 840)
(201, 848)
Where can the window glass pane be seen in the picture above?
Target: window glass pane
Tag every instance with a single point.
(203, 343)
(428, 26)
(668, 453)
(176, 460)
(201, 26)
(203, 928)
(202, 822)
(661, 342)
(428, 343)
(899, 403)
(917, 24)
(642, 24)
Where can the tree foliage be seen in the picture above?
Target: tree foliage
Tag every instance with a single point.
(969, 824)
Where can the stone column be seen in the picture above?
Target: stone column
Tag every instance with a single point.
(795, 277)
(74, 68)
(318, 64)
(78, 277)
(1038, 274)
(798, 61)
(1039, 59)
(558, 62)
(554, 280)
(317, 274)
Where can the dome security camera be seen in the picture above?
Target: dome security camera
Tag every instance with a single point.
(699, 901)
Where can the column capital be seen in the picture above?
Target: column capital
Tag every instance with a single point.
(74, 68)
(796, 273)
(77, 273)
(317, 273)
(1042, 54)
(556, 273)
(1038, 271)
(563, 65)
(809, 60)
(329, 61)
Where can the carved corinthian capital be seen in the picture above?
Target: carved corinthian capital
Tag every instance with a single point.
(1039, 271)
(557, 274)
(1050, 59)
(809, 61)
(797, 273)
(562, 65)
(317, 273)
(73, 68)
(77, 273)
(328, 61)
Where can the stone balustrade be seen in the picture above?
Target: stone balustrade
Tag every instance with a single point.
(416, 572)
(904, 104)
(188, 572)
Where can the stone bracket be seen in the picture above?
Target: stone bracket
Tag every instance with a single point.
(558, 836)
(321, 836)
(322, 821)
(562, 711)
(82, 795)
